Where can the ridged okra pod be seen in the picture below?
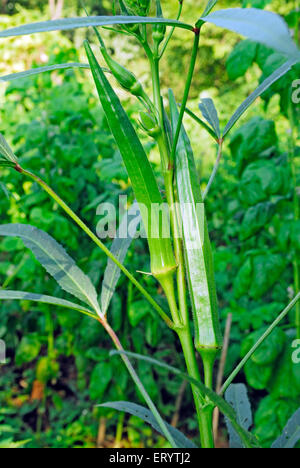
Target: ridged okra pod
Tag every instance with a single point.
(198, 252)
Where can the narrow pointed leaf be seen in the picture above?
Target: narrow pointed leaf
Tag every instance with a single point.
(196, 241)
(146, 415)
(137, 164)
(83, 22)
(56, 261)
(291, 433)
(38, 70)
(258, 92)
(27, 296)
(201, 123)
(259, 25)
(7, 156)
(119, 248)
(248, 439)
(210, 114)
(210, 5)
(236, 395)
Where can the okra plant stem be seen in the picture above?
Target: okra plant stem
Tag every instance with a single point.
(187, 90)
(204, 414)
(97, 241)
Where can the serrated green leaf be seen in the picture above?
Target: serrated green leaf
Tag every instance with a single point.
(28, 296)
(7, 156)
(236, 396)
(146, 415)
(56, 261)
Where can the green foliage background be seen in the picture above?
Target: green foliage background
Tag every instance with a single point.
(58, 363)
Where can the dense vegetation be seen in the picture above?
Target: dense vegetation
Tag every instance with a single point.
(58, 365)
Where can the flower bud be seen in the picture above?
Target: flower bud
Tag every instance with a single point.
(158, 30)
(138, 7)
(124, 77)
(149, 124)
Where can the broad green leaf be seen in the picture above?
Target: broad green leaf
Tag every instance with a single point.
(258, 92)
(119, 249)
(248, 439)
(269, 350)
(267, 269)
(210, 114)
(146, 415)
(236, 396)
(7, 156)
(73, 23)
(291, 433)
(27, 296)
(196, 241)
(28, 349)
(256, 218)
(38, 70)
(100, 379)
(138, 167)
(56, 261)
(259, 25)
(241, 58)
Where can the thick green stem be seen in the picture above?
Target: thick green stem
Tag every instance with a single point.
(204, 410)
(186, 91)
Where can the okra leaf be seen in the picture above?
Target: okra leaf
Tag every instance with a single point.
(236, 396)
(7, 156)
(56, 262)
(38, 70)
(249, 440)
(261, 26)
(143, 413)
(258, 92)
(83, 22)
(198, 252)
(138, 167)
(119, 248)
(28, 296)
(210, 114)
(210, 5)
(291, 433)
(201, 123)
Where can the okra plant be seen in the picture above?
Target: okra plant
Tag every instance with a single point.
(181, 263)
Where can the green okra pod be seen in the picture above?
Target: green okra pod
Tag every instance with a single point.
(198, 253)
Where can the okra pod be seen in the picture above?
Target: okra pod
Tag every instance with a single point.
(198, 252)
